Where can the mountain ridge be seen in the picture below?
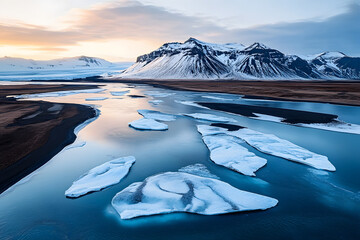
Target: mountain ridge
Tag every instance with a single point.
(195, 59)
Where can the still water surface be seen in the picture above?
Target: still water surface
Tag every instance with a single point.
(312, 204)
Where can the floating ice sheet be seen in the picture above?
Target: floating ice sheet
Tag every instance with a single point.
(148, 124)
(156, 115)
(96, 99)
(182, 192)
(100, 177)
(59, 94)
(210, 117)
(119, 93)
(227, 151)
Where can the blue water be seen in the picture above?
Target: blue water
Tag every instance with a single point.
(313, 204)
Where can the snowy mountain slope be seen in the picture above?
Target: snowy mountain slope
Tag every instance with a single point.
(20, 64)
(195, 59)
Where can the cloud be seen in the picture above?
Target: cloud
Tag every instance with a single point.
(135, 21)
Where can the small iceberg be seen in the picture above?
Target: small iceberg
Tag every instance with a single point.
(156, 115)
(158, 94)
(148, 124)
(227, 151)
(96, 99)
(100, 177)
(210, 117)
(183, 192)
(119, 93)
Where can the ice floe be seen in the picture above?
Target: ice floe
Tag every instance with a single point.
(158, 94)
(210, 117)
(59, 94)
(156, 102)
(220, 98)
(190, 103)
(273, 145)
(183, 192)
(156, 115)
(119, 93)
(100, 177)
(148, 124)
(96, 99)
(227, 151)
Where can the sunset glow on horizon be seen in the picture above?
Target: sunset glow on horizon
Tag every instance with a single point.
(122, 30)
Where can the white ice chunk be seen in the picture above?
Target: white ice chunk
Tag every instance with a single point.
(199, 170)
(156, 102)
(227, 151)
(102, 176)
(96, 99)
(220, 98)
(158, 94)
(182, 192)
(119, 93)
(190, 103)
(265, 117)
(210, 117)
(148, 124)
(156, 115)
(273, 145)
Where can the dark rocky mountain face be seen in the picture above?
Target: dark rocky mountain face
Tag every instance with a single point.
(197, 59)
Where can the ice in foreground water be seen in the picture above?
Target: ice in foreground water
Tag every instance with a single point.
(227, 151)
(100, 177)
(183, 192)
(273, 145)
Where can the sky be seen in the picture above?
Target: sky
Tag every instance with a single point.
(124, 29)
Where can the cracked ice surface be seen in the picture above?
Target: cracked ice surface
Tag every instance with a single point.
(182, 192)
(100, 177)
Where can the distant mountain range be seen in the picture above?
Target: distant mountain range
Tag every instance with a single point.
(21, 64)
(195, 59)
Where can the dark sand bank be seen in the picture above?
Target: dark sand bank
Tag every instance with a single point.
(32, 132)
(288, 115)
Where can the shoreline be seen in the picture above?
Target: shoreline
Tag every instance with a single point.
(33, 132)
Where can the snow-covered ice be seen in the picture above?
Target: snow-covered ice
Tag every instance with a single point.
(100, 177)
(96, 99)
(156, 102)
(226, 150)
(76, 144)
(156, 115)
(119, 93)
(273, 145)
(220, 98)
(190, 103)
(210, 117)
(199, 170)
(148, 124)
(182, 192)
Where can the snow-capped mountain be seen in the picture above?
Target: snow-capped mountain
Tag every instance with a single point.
(195, 59)
(21, 64)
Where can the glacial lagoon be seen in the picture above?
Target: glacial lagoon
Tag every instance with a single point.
(311, 201)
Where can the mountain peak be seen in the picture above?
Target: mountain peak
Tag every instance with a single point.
(256, 45)
(191, 39)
